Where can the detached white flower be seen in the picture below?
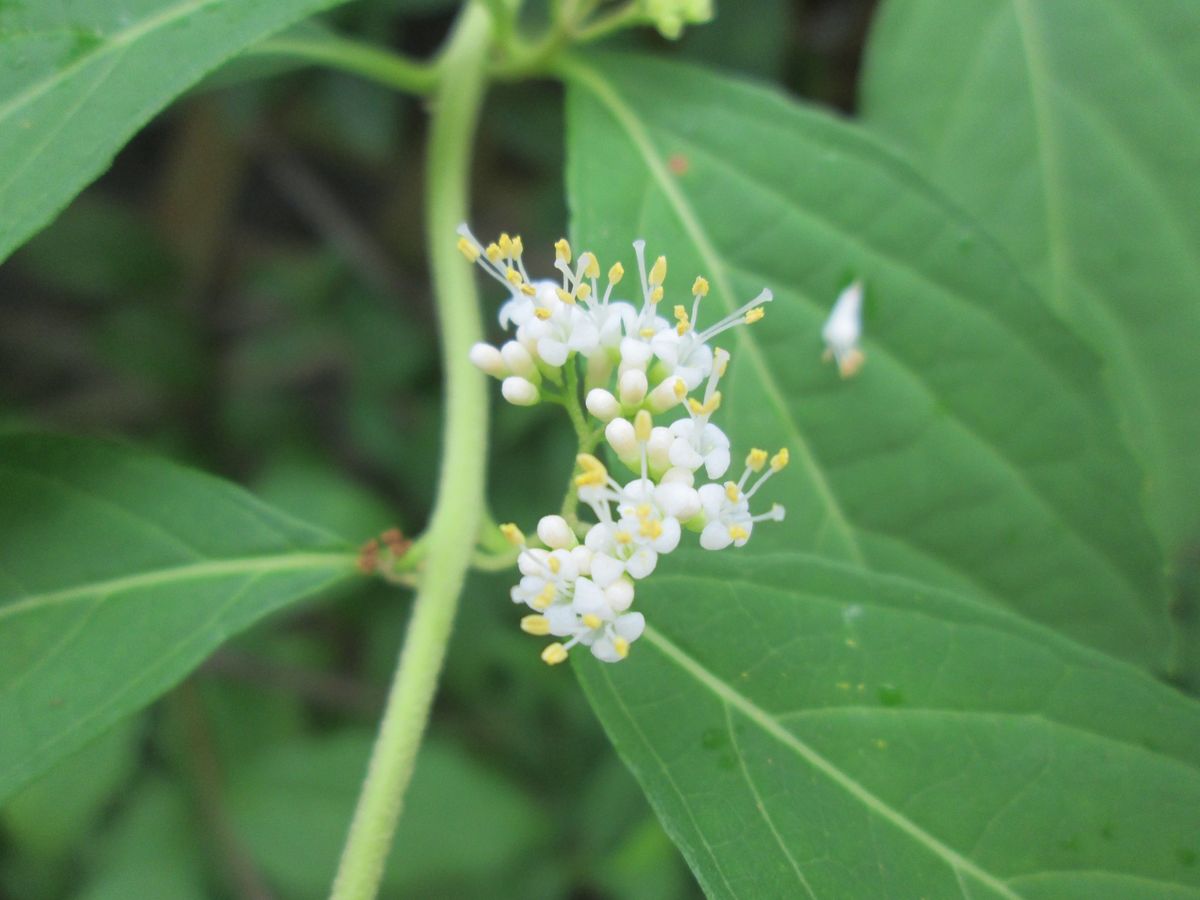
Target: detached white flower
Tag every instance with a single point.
(843, 330)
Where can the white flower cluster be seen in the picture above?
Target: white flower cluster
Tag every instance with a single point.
(636, 365)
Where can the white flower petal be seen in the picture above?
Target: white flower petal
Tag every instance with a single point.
(715, 536)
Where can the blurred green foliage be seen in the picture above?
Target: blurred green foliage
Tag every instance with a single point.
(245, 290)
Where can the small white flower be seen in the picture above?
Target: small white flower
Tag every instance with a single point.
(727, 506)
(558, 331)
(546, 578)
(591, 620)
(843, 330)
(697, 442)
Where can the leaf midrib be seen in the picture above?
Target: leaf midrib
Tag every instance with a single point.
(213, 568)
(956, 861)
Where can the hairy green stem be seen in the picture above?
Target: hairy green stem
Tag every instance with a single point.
(460, 497)
(372, 63)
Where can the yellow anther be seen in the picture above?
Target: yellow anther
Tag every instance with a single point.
(566, 298)
(681, 329)
(722, 357)
(738, 533)
(700, 286)
(513, 276)
(616, 273)
(542, 313)
(493, 252)
(695, 405)
(512, 534)
(680, 389)
(584, 291)
(554, 565)
(646, 333)
(754, 315)
(528, 290)
(642, 424)
(467, 249)
(506, 244)
(517, 247)
(538, 625)
(656, 294)
(554, 654)
(680, 313)
(780, 460)
(562, 250)
(591, 265)
(594, 472)
(705, 409)
(658, 271)
(621, 646)
(756, 459)
(544, 598)
(623, 537)
(732, 492)
(650, 528)
(591, 620)
(643, 510)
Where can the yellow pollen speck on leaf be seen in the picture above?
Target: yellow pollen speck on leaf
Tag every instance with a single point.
(754, 315)
(738, 533)
(780, 459)
(643, 424)
(616, 273)
(554, 654)
(542, 313)
(584, 291)
(732, 492)
(700, 286)
(512, 534)
(621, 646)
(623, 537)
(467, 249)
(536, 625)
(756, 459)
(658, 271)
(562, 250)
(493, 253)
(593, 621)
(528, 290)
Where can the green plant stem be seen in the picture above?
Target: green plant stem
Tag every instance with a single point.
(357, 58)
(460, 497)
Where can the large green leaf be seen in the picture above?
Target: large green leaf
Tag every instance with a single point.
(1071, 130)
(119, 573)
(78, 79)
(974, 448)
(808, 730)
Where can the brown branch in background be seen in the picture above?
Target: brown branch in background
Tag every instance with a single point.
(326, 690)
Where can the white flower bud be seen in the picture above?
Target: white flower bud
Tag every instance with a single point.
(519, 391)
(488, 360)
(602, 404)
(599, 368)
(667, 393)
(658, 448)
(518, 360)
(632, 387)
(619, 594)
(679, 475)
(554, 532)
(622, 438)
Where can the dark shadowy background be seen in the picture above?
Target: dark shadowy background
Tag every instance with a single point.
(245, 291)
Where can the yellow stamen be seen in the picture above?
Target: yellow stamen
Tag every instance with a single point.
(656, 294)
(705, 409)
(584, 291)
(493, 252)
(513, 276)
(722, 362)
(565, 297)
(642, 424)
(700, 286)
(506, 244)
(554, 564)
(623, 537)
(554, 654)
(592, 621)
(467, 249)
(756, 459)
(562, 250)
(536, 625)
(545, 598)
(650, 528)
(680, 389)
(594, 473)
(732, 492)
(755, 314)
(642, 510)
(621, 646)
(738, 533)
(528, 290)
(681, 314)
(616, 273)
(512, 534)
(658, 272)
(591, 265)
(517, 247)
(780, 460)
(542, 313)
(646, 333)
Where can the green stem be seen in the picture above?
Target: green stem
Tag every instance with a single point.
(371, 63)
(460, 498)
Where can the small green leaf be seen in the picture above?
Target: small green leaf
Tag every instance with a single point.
(1071, 130)
(78, 80)
(119, 573)
(974, 448)
(807, 730)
